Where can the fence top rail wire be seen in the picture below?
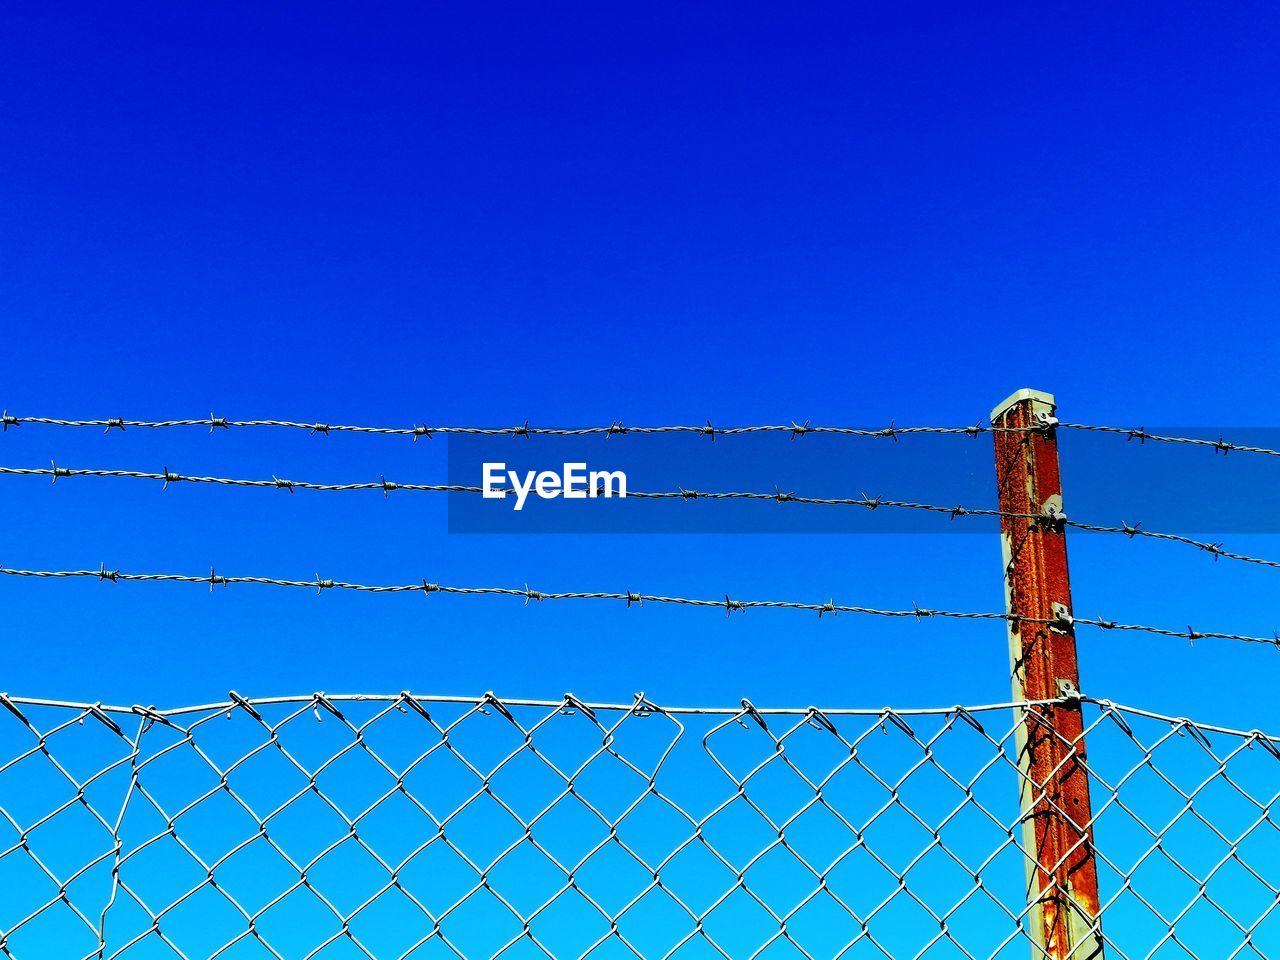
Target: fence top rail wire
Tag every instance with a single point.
(1064, 621)
(640, 705)
(1130, 530)
(617, 428)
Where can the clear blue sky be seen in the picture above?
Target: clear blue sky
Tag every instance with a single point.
(574, 214)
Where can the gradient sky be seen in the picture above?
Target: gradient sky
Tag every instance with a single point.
(576, 215)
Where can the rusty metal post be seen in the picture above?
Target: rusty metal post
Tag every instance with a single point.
(1062, 874)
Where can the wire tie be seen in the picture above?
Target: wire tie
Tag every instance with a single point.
(283, 484)
(888, 714)
(151, 714)
(96, 712)
(318, 699)
(572, 703)
(412, 701)
(969, 718)
(114, 422)
(492, 701)
(817, 718)
(642, 706)
(799, 430)
(749, 709)
(244, 704)
(387, 487)
(1053, 519)
(13, 708)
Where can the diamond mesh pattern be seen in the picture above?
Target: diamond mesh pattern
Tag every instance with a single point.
(407, 827)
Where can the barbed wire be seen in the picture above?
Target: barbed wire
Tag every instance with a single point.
(1063, 621)
(1220, 445)
(617, 428)
(1130, 530)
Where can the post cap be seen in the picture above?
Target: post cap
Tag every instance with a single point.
(1017, 397)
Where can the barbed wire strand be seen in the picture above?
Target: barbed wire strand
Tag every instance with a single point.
(1130, 530)
(729, 605)
(617, 428)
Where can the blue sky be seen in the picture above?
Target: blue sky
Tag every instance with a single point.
(578, 215)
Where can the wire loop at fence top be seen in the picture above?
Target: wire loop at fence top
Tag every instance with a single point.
(793, 429)
(387, 487)
(400, 826)
(1065, 621)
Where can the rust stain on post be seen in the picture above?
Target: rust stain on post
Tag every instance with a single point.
(1062, 875)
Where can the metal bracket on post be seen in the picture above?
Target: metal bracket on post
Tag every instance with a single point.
(1062, 875)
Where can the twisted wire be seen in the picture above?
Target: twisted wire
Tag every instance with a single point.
(617, 428)
(1131, 531)
(728, 604)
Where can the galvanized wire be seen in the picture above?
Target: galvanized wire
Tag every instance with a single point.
(795, 430)
(1221, 445)
(1132, 531)
(405, 826)
(617, 428)
(630, 598)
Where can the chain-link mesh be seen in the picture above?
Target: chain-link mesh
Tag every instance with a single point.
(385, 827)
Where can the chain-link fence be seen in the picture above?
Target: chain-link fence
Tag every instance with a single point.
(412, 827)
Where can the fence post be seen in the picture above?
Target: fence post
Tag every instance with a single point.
(1062, 874)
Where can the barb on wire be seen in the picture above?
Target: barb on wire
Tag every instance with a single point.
(628, 597)
(1132, 531)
